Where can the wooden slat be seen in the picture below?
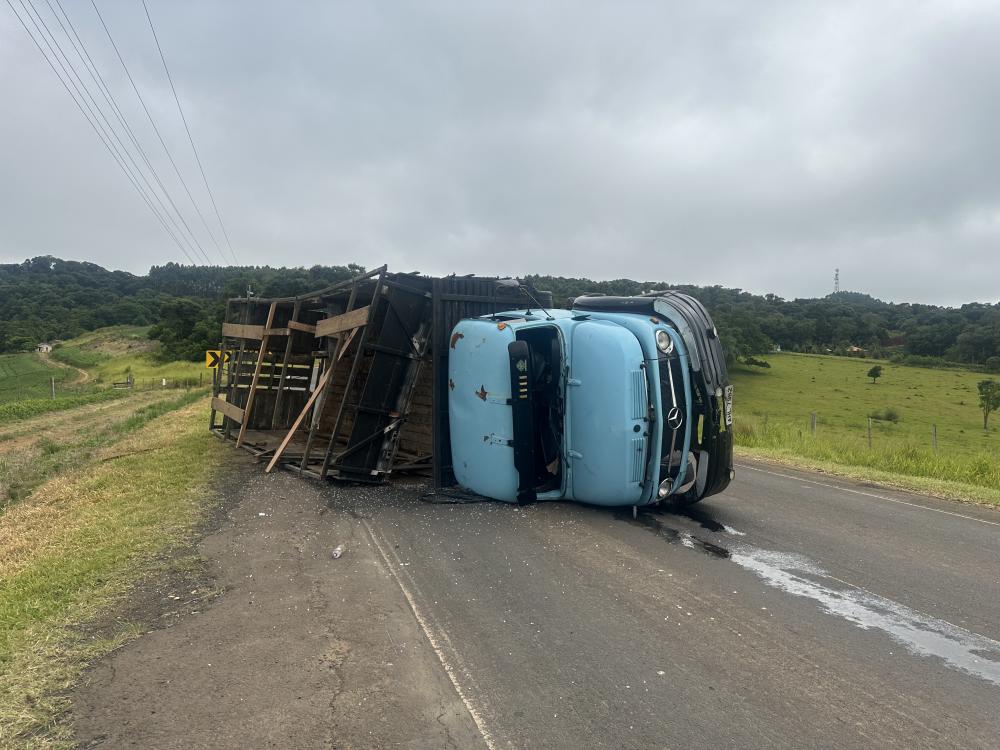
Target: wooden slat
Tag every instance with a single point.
(232, 411)
(340, 323)
(276, 332)
(248, 410)
(283, 377)
(297, 326)
(238, 331)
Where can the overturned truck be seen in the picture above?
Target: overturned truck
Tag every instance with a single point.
(478, 381)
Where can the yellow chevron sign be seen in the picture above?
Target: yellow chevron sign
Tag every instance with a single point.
(213, 358)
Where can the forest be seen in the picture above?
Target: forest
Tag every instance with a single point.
(46, 299)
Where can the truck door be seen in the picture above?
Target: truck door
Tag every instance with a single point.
(608, 407)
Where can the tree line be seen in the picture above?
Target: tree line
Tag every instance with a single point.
(752, 324)
(46, 298)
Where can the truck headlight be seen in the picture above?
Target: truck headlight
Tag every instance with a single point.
(665, 486)
(663, 342)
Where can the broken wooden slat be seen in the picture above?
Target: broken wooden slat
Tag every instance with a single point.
(232, 411)
(345, 322)
(239, 331)
(297, 326)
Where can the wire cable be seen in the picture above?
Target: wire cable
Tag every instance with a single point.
(95, 75)
(109, 131)
(188, 131)
(97, 132)
(142, 101)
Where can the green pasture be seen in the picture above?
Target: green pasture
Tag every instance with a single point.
(772, 416)
(28, 376)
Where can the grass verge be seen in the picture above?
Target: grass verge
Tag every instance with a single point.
(74, 548)
(971, 477)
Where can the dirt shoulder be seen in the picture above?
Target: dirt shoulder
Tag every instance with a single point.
(277, 644)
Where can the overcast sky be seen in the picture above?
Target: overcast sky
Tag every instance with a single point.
(756, 145)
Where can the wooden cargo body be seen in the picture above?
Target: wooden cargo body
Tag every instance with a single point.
(349, 382)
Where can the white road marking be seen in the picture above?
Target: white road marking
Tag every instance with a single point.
(435, 642)
(868, 494)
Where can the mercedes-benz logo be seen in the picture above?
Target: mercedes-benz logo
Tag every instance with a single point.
(675, 418)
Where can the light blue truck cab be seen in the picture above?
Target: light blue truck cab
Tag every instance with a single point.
(619, 401)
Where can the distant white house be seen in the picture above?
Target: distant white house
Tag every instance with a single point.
(43, 348)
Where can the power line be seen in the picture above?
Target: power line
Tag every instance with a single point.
(95, 75)
(94, 125)
(107, 128)
(142, 102)
(188, 131)
(114, 105)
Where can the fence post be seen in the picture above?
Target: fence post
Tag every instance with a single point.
(812, 423)
(53, 381)
(765, 418)
(869, 433)
(934, 436)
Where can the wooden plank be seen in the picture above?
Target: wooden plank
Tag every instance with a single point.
(298, 420)
(297, 326)
(276, 331)
(238, 331)
(284, 367)
(340, 323)
(232, 411)
(248, 410)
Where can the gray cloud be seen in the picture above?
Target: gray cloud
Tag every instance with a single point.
(752, 146)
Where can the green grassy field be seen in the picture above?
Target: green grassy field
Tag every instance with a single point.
(27, 375)
(772, 412)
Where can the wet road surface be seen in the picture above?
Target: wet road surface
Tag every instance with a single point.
(794, 611)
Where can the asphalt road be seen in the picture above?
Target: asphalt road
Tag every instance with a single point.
(793, 611)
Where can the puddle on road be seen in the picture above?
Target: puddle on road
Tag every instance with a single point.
(919, 634)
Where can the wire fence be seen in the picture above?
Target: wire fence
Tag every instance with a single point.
(30, 385)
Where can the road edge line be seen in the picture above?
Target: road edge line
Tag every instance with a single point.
(434, 641)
